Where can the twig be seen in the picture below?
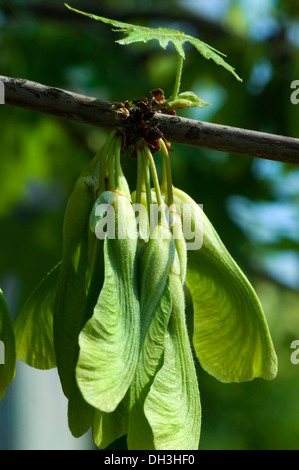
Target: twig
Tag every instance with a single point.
(62, 103)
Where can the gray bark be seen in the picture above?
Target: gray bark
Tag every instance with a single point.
(88, 110)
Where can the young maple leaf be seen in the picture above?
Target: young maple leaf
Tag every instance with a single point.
(136, 33)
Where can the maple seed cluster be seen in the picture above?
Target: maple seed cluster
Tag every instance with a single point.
(114, 317)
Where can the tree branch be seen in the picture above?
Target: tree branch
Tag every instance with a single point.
(62, 103)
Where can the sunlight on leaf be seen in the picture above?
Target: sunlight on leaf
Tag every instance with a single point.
(109, 341)
(231, 337)
(172, 406)
(107, 427)
(187, 99)
(136, 33)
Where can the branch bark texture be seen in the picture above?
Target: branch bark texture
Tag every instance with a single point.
(88, 110)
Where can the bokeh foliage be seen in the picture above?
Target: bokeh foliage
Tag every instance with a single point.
(252, 204)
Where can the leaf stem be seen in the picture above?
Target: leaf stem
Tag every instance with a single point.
(154, 174)
(111, 165)
(148, 188)
(139, 176)
(103, 162)
(177, 83)
(153, 170)
(118, 169)
(166, 184)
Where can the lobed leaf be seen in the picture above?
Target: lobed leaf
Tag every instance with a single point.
(164, 36)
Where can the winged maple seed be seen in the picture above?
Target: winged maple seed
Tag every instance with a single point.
(122, 347)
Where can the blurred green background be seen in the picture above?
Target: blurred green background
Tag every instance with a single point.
(252, 203)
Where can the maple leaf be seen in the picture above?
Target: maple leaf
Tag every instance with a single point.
(136, 33)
